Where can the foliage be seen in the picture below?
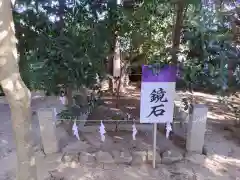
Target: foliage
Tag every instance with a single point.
(72, 51)
(77, 110)
(72, 56)
(207, 50)
(145, 31)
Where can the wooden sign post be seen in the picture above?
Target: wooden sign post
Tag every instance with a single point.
(157, 98)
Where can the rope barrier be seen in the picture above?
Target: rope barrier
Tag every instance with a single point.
(107, 120)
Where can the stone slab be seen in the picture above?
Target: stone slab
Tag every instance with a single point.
(196, 129)
(76, 147)
(48, 130)
(70, 157)
(104, 157)
(139, 157)
(171, 156)
(150, 157)
(195, 158)
(122, 156)
(47, 164)
(87, 158)
(55, 157)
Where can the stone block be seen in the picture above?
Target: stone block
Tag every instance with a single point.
(70, 157)
(196, 129)
(87, 158)
(195, 158)
(139, 157)
(171, 156)
(47, 164)
(76, 147)
(62, 135)
(111, 167)
(150, 157)
(122, 156)
(48, 130)
(56, 157)
(104, 157)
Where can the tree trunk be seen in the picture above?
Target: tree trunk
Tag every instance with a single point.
(177, 30)
(69, 93)
(116, 65)
(110, 71)
(124, 76)
(17, 95)
(112, 9)
(69, 124)
(111, 59)
(120, 84)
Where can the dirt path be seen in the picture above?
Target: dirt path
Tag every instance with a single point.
(127, 103)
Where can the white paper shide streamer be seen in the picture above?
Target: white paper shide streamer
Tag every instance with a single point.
(75, 130)
(102, 131)
(168, 129)
(62, 99)
(55, 113)
(128, 116)
(134, 129)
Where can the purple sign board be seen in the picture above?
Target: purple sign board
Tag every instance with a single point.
(157, 94)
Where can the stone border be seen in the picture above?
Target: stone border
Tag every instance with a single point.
(122, 157)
